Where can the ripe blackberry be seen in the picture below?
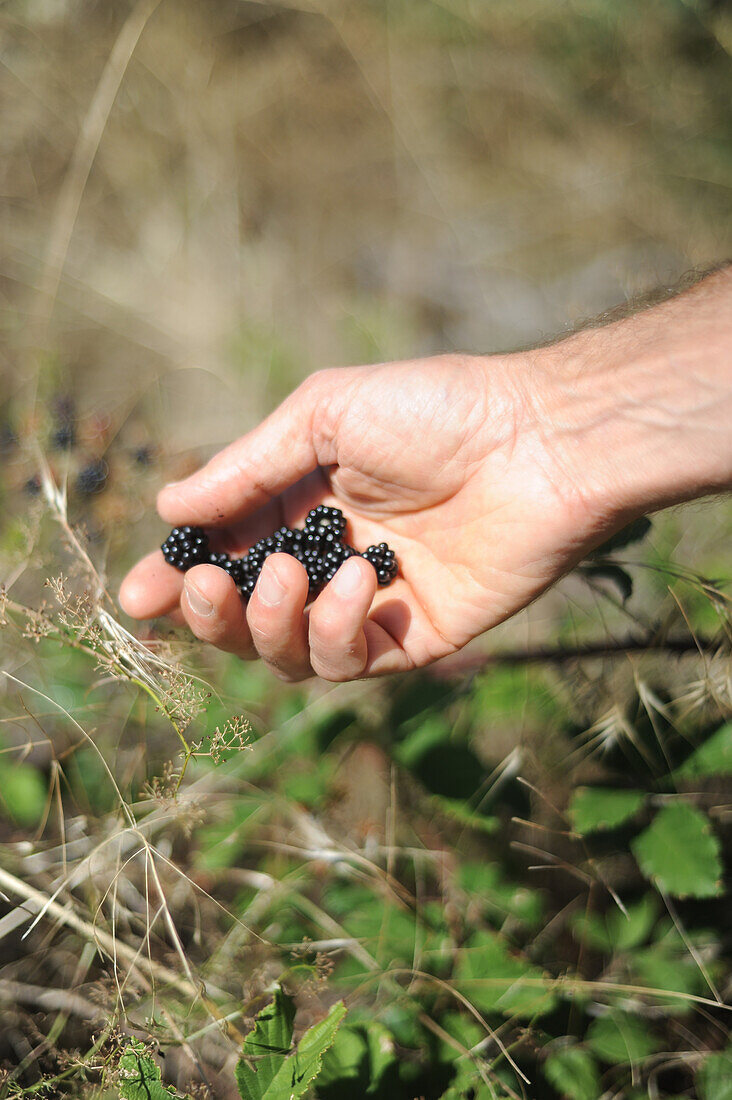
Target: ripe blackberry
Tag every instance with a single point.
(233, 566)
(322, 520)
(384, 562)
(186, 547)
(333, 559)
(93, 478)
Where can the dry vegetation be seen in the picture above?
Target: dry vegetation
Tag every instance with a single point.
(201, 203)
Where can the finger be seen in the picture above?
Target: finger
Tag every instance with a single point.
(338, 646)
(276, 617)
(294, 440)
(214, 610)
(152, 588)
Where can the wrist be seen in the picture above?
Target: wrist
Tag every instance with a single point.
(639, 411)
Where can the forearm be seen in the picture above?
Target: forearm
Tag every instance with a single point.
(641, 409)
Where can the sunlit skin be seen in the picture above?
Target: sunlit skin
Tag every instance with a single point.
(490, 476)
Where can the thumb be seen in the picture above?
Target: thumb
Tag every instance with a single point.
(245, 475)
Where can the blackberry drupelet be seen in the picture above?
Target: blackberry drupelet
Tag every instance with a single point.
(93, 478)
(333, 559)
(233, 566)
(186, 547)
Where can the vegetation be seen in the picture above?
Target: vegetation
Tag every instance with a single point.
(500, 878)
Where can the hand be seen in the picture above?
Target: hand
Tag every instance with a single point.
(489, 476)
(441, 458)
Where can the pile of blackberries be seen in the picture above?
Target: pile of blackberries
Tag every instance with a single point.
(320, 546)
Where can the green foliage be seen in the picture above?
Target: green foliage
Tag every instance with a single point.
(361, 1062)
(618, 930)
(269, 1068)
(497, 980)
(712, 758)
(139, 1076)
(714, 1076)
(679, 852)
(23, 792)
(619, 1038)
(594, 808)
(573, 1072)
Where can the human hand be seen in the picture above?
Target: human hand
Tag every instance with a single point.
(489, 476)
(440, 458)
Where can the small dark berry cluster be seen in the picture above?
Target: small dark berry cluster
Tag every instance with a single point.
(319, 545)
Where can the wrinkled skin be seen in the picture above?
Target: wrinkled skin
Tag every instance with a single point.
(449, 460)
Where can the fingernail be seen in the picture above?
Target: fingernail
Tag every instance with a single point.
(270, 588)
(198, 603)
(347, 579)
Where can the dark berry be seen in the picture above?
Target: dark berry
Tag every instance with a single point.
(233, 566)
(186, 547)
(32, 486)
(383, 561)
(324, 519)
(93, 478)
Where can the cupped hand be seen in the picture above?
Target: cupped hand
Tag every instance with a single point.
(451, 460)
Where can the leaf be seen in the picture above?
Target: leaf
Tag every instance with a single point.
(494, 980)
(632, 532)
(618, 1038)
(714, 1076)
(679, 853)
(573, 1073)
(268, 1069)
(594, 808)
(615, 931)
(23, 793)
(139, 1076)
(713, 758)
(361, 1062)
(613, 573)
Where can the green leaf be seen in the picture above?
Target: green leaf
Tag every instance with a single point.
(23, 793)
(494, 980)
(713, 758)
(573, 1073)
(139, 1077)
(360, 1062)
(268, 1069)
(615, 931)
(714, 1077)
(679, 852)
(613, 573)
(594, 808)
(618, 1038)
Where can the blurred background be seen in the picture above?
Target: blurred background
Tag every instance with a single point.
(201, 203)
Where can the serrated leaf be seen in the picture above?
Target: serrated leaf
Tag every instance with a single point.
(714, 1077)
(713, 758)
(592, 809)
(268, 1069)
(679, 853)
(139, 1076)
(617, 576)
(631, 533)
(618, 1038)
(573, 1073)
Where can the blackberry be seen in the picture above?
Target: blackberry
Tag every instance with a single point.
(319, 547)
(186, 547)
(233, 566)
(384, 562)
(333, 559)
(322, 520)
(93, 478)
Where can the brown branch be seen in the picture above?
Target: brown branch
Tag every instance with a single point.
(458, 665)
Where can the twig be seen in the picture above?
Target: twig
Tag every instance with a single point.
(559, 654)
